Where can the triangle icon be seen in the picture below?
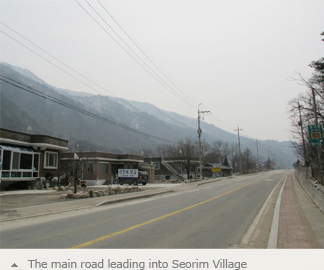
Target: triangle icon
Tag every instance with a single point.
(14, 265)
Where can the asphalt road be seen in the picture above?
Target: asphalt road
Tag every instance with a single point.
(215, 215)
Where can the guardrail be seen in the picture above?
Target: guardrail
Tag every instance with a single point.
(316, 192)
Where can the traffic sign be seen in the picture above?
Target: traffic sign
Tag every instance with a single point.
(315, 134)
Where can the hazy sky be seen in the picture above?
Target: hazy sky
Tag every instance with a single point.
(237, 58)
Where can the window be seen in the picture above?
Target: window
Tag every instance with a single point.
(6, 160)
(36, 158)
(15, 174)
(27, 174)
(26, 161)
(104, 168)
(15, 160)
(90, 168)
(50, 160)
(19, 162)
(156, 164)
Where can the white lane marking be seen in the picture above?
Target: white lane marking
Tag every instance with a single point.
(273, 238)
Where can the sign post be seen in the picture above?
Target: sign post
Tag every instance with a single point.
(316, 138)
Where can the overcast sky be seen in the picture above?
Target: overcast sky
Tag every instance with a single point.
(236, 58)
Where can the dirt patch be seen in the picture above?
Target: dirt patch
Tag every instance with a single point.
(9, 202)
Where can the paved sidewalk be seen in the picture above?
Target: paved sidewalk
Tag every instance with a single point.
(301, 222)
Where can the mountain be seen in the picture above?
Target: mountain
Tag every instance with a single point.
(20, 109)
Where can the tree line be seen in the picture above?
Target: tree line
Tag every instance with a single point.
(218, 152)
(305, 110)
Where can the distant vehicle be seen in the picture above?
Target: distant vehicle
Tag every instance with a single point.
(142, 178)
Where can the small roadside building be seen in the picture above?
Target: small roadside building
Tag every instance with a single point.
(28, 159)
(101, 166)
(216, 170)
(172, 168)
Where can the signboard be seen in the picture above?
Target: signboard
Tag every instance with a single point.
(127, 174)
(216, 169)
(315, 134)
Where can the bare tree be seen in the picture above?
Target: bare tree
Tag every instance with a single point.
(188, 148)
(248, 160)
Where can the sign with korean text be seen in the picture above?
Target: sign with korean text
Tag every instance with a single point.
(127, 174)
(315, 134)
(216, 169)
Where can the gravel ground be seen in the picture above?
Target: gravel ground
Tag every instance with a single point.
(12, 201)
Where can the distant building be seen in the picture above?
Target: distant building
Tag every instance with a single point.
(102, 166)
(216, 170)
(28, 159)
(172, 168)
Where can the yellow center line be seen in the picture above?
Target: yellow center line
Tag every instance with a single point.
(162, 217)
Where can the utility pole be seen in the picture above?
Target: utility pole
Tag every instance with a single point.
(239, 145)
(300, 123)
(199, 135)
(257, 145)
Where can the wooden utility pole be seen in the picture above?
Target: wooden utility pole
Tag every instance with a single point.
(257, 145)
(300, 123)
(199, 137)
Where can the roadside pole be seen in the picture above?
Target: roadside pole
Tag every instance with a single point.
(199, 135)
(239, 145)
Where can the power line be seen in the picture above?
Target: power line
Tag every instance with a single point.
(74, 71)
(215, 118)
(155, 76)
(67, 105)
(194, 103)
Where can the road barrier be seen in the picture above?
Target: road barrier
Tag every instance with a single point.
(315, 191)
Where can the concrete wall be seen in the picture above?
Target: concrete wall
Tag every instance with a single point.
(303, 175)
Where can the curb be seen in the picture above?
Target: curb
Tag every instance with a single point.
(133, 198)
(86, 207)
(273, 237)
(212, 181)
(107, 202)
(248, 235)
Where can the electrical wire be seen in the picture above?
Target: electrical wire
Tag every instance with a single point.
(217, 120)
(125, 32)
(77, 73)
(72, 107)
(155, 76)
